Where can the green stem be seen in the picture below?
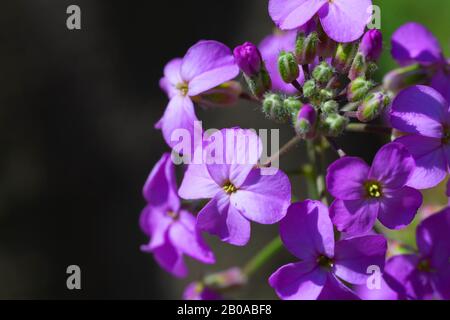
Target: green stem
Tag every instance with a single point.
(263, 256)
(368, 128)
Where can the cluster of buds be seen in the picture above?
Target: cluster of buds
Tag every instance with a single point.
(337, 82)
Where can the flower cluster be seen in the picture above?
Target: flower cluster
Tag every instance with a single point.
(316, 74)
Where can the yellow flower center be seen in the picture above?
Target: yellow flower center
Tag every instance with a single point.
(325, 262)
(183, 87)
(172, 214)
(425, 266)
(229, 188)
(373, 189)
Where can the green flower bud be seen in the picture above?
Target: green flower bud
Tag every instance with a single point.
(358, 89)
(402, 78)
(372, 106)
(306, 47)
(288, 67)
(274, 109)
(310, 89)
(260, 83)
(335, 124)
(326, 94)
(292, 104)
(343, 59)
(329, 107)
(359, 67)
(323, 72)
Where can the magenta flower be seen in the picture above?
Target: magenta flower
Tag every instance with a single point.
(342, 20)
(171, 229)
(206, 65)
(248, 58)
(307, 232)
(364, 193)
(372, 44)
(198, 291)
(239, 191)
(425, 275)
(424, 114)
(413, 43)
(383, 293)
(270, 48)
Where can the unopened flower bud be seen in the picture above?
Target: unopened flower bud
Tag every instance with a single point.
(273, 108)
(248, 58)
(227, 94)
(372, 106)
(329, 107)
(326, 94)
(358, 68)
(292, 104)
(228, 279)
(371, 45)
(306, 47)
(305, 124)
(288, 67)
(402, 78)
(310, 89)
(343, 59)
(335, 124)
(358, 89)
(323, 72)
(260, 83)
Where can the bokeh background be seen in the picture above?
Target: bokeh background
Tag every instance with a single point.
(77, 110)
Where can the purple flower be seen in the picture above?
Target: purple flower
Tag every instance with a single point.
(307, 232)
(270, 48)
(372, 44)
(413, 43)
(383, 293)
(239, 191)
(198, 291)
(206, 65)
(364, 193)
(248, 58)
(425, 275)
(424, 114)
(342, 20)
(171, 229)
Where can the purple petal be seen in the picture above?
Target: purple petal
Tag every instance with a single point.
(292, 14)
(298, 281)
(179, 114)
(263, 198)
(171, 259)
(198, 184)
(421, 110)
(198, 291)
(441, 281)
(307, 231)
(393, 166)
(433, 239)
(154, 222)
(206, 65)
(160, 189)
(219, 218)
(413, 42)
(441, 83)
(402, 276)
(383, 293)
(345, 20)
(239, 153)
(398, 208)
(346, 177)
(431, 162)
(172, 77)
(334, 289)
(270, 49)
(184, 235)
(354, 256)
(355, 217)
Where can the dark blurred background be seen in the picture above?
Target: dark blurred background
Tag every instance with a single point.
(77, 110)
